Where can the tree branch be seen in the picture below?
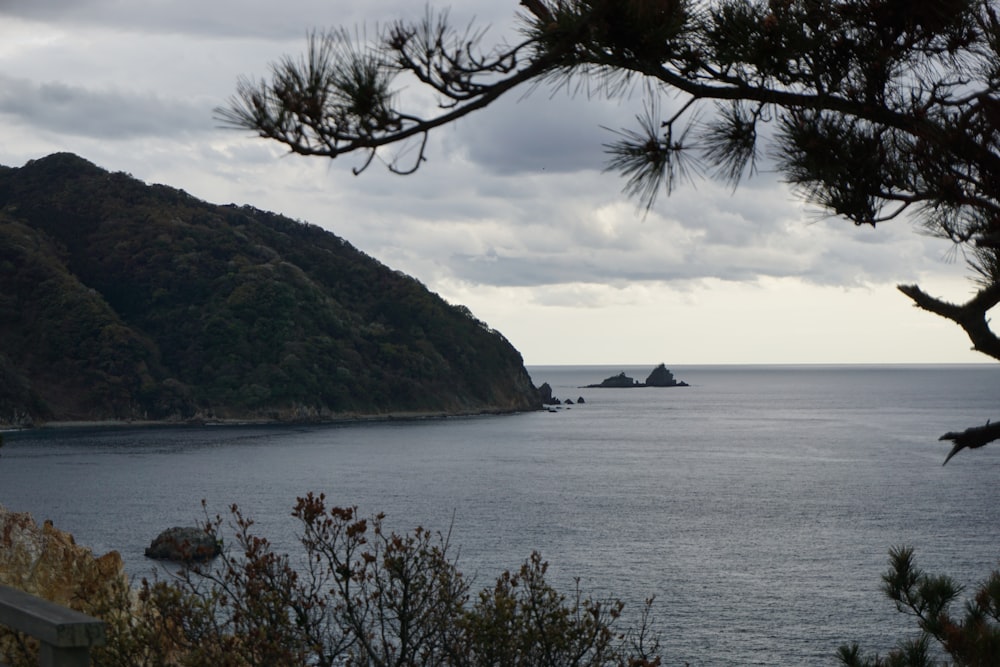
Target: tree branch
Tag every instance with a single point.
(971, 316)
(540, 11)
(971, 438)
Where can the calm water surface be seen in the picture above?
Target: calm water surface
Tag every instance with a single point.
(757, 505)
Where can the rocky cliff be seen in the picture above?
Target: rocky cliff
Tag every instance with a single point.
(47, 562)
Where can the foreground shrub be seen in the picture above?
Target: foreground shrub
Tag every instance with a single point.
(972, 640)
(363, 596)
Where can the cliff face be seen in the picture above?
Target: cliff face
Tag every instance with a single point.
(47, 563)
(120, 300)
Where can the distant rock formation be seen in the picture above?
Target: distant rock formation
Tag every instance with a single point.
(184, 545)
(659, 377)
(620, 381)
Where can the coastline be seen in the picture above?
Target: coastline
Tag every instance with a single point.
(414, 415)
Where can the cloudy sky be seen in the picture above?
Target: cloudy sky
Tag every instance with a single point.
(512, 215)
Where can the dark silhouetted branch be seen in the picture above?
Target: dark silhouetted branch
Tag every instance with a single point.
(540, 11)
(971, 438)
(971, 316)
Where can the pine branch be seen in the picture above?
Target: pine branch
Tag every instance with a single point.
(971, 438)
(540, 11)
(971, 315)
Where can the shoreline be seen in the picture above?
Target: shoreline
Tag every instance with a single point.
(414, 415)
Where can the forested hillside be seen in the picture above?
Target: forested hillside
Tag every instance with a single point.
(121, 300)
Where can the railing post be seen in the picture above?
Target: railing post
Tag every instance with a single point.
(64, 635)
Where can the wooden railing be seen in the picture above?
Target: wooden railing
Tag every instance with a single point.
(64, 635)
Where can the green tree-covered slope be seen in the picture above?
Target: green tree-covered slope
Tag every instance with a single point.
(120, 300)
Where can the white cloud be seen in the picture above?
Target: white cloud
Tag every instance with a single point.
(62, 108)
(237, 18)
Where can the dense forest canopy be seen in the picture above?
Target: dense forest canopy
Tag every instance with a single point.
(121, 300)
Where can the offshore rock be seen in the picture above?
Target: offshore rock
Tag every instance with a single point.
(620, 381)
(184, 545)
(661, 377)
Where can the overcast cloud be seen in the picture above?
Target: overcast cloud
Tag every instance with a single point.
(512, 214)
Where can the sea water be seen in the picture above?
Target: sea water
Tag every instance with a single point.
(757, 505)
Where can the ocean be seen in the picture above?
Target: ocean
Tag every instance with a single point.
(757, 505)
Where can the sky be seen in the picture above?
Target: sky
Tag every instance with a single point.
(512, 215)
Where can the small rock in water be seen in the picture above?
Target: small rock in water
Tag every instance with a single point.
(184, 545)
